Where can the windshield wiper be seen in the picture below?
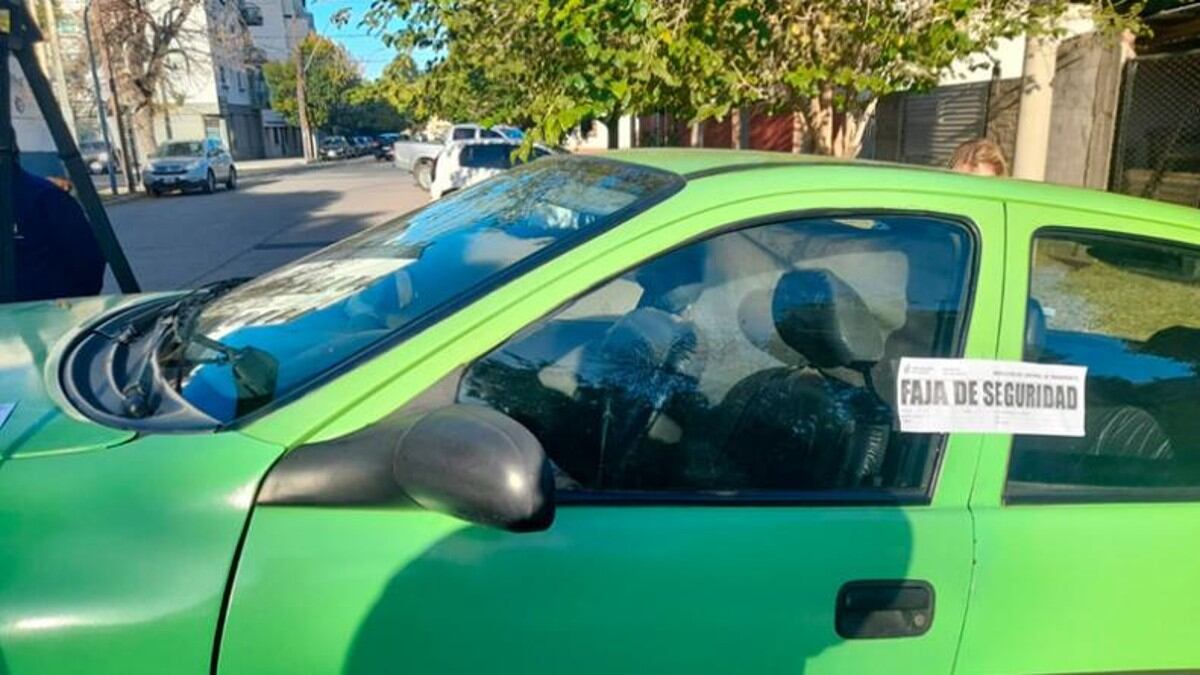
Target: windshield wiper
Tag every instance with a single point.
(176, 323)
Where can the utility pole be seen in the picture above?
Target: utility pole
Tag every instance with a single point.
(1033, 118)
(101, 113)
(302, 104)
(128, 156)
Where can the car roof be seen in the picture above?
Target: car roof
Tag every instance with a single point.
(701, 163)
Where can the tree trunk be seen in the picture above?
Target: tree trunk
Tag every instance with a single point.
(849, 140)
(821, 121)
(613, 124)
(143, 131)
(800, 135)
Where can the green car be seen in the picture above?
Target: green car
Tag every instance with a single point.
(653, 411)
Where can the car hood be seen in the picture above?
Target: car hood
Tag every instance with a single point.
(32, 337)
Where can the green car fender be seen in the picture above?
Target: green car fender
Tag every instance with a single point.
(117, 549)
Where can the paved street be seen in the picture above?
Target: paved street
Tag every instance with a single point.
(180, 241)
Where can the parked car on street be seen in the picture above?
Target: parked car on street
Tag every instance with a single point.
(464, 163)
(190, 165)
(652, 411)
(363, 146)
(335, 147)
(95, 157)
(418, 157)
(384, 146)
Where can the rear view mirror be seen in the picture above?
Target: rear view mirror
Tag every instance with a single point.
(477, 464)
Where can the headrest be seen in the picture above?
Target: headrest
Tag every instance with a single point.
(757, 324)
(1035, 330)
(823, 318)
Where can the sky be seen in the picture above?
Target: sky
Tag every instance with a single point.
(367, 49)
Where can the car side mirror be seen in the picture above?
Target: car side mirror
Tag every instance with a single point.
(477, 464)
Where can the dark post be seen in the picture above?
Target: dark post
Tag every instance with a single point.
(9, 20)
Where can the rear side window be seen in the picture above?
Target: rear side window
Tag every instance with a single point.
(491, 156)
(1129, 310)
(757, 364)
(462, 134)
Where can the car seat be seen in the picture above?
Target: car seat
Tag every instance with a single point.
(816, 423)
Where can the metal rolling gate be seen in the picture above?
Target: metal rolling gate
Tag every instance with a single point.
(1157, 148)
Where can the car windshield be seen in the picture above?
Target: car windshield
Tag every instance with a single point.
(181, 149)
(380, 285)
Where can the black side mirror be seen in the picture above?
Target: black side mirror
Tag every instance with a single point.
(467, 461)
(477, 464)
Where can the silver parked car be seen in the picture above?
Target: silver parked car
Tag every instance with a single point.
(190, 165)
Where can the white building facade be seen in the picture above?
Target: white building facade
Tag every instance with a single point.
(284, 25)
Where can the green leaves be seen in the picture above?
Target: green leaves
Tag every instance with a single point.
(330, 77)
(552, 64)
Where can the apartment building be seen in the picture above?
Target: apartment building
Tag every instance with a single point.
(281, 26)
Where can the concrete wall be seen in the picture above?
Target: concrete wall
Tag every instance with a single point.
(1087, 87)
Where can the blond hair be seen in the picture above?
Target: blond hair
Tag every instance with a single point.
(979, 152)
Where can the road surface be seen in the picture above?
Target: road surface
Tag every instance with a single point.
(181, 241)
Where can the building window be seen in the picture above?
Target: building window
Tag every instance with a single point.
(224, 84)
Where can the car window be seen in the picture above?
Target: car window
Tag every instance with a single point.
(488, 133)
(462, 134)
(1129, 310)
(180, 149)
(321, 311)
(760, 361)
(489, 156)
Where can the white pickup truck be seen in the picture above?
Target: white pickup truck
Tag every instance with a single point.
(418, 157)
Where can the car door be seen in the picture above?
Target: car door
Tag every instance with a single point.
(1087, 552)
(224, 160)
(734, 495)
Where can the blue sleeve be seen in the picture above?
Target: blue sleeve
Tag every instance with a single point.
(72, 235)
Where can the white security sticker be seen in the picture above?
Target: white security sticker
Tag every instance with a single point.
(6, 410)
(982, 396)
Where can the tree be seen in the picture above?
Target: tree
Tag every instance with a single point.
(560, 62)
(330, 75)
(368, 110)
(153, 46)
(549, 64)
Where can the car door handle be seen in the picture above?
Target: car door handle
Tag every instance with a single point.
(884, 609)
